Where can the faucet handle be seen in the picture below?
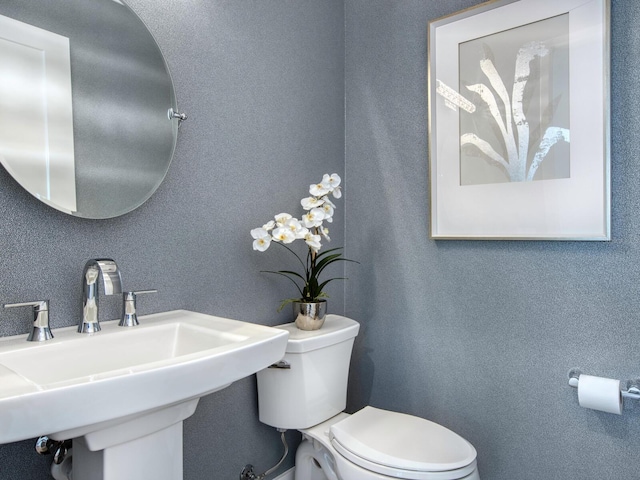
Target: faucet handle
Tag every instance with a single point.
(129, 315)
(41, 330)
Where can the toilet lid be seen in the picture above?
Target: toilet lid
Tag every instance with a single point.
(400, 441)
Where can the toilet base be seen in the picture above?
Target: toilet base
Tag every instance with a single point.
(313, 464)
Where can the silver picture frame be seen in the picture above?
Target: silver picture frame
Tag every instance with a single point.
(518, 134)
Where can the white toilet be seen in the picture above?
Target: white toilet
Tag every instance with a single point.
(309, 392)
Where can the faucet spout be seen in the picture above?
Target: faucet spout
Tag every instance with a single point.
(112, 284)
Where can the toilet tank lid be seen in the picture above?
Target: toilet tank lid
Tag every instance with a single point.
(335, 329)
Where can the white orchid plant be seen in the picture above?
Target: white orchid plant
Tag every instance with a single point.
(284, 229)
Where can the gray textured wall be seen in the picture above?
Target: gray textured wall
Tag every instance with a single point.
(263, 84)
(479, 336)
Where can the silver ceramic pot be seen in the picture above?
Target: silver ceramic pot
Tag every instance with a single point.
(309, 315)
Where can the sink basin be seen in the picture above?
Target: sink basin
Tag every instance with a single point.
(78, 385)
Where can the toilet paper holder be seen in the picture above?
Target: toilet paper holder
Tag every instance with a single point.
(632, 389)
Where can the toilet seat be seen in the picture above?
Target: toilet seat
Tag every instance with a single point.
(402, 446)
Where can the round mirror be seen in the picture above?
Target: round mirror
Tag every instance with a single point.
(86, 101)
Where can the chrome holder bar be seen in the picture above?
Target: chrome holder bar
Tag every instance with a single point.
(632, 391)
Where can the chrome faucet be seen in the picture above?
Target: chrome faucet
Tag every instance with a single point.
(112, 282)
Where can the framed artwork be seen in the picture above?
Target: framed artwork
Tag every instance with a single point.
(519, 121)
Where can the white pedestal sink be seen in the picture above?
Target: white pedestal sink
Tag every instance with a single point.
(123, 393)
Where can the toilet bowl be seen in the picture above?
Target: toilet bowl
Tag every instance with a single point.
(309, 394)
(413, 449)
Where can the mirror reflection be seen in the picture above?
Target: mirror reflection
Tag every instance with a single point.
(85, 94)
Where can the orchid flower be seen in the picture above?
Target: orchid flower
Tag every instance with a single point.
(269, 226)
(313, 218)
(331, 182)
(282, 218)
(284, 235)
(327, 201)
(313, 241)
(262, 239)
(296, 228)
(311, 202)
(328, 212)
(318, 190)
(285, 229)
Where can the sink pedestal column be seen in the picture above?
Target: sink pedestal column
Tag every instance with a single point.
(147, 447)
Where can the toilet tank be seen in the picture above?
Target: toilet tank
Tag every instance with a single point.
(314, 388)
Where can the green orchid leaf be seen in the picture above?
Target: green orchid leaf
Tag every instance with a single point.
(286, 302)
(323, 284)
(289, 272)
(286, 276)
(294, 253)
(329, 260)
(320, 255)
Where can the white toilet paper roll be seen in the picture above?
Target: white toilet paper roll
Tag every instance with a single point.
(600, 394)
